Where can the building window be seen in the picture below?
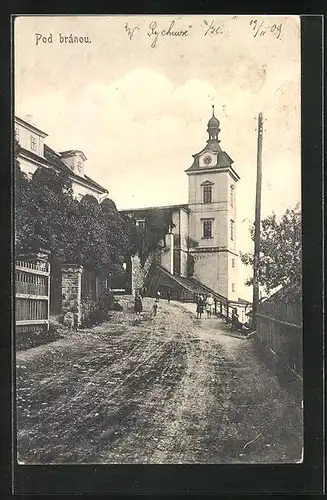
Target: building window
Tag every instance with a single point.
(33, 143)
(140, 222)
(233, 287)
(207, 228)
(232, 230)
(17, 133)
(233, 262)
(207, 194)
(232, 195)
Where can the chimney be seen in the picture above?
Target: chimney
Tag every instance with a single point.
(167, 259)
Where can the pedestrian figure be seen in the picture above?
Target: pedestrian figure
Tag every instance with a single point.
(199, 307)
(168, 295)
(209, 305)
(157, 295)
(138, 303)
(235, 320)
(155, 308)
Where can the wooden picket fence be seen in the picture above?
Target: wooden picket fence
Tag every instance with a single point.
(279, 332)
(32, 296)
(283, 340)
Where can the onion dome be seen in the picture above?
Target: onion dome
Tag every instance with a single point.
(213, 126)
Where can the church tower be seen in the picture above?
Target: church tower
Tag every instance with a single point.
(212, 217)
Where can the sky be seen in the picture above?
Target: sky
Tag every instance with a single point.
(137, 103)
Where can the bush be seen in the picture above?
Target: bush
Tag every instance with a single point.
(95, 312)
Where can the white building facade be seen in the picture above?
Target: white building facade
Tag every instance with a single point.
(35, 153)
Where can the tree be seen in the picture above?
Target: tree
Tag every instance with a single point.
(22, 196)
(87, 233)
(280, 262)
(44, 211)
(145, 240)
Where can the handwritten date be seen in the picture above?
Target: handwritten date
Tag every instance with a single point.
(259, 29)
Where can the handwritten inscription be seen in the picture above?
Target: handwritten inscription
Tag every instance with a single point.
(176, 29)
(155, 32)
(259, 29)
(131, 31)
(212, 28)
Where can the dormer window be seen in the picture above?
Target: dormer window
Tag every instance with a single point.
(140, 222)
(79, 166)
(33, 143)
(74, 159)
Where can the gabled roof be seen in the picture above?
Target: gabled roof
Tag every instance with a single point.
(72, 152)
(30, 126)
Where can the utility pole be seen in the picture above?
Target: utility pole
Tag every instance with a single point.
(257, 222)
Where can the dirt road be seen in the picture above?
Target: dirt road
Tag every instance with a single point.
(164, 389)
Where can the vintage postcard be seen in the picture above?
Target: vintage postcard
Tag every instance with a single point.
(158, 302)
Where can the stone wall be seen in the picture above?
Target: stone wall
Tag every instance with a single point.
(71, 291)
(139, 272)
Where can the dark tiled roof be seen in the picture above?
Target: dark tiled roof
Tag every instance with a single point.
(55, 160)
(148, 209)
(223, 160)
(95, 184)
(35, 157)
(71, 152)
(192, 284)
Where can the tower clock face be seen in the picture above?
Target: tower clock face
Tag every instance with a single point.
(207, 160)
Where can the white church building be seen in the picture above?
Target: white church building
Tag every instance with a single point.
(199, 253)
